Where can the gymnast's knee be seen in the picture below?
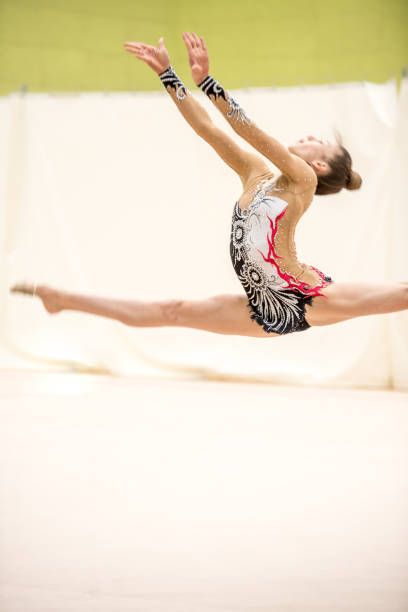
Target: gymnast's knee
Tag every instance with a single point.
(171, 311)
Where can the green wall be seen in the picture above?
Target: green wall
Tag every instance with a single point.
(77, 45)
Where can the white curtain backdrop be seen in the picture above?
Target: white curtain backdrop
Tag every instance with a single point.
(115, 195)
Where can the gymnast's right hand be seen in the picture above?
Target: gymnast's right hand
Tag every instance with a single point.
(156, 57)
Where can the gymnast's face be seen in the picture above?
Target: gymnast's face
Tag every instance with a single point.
(317, 153)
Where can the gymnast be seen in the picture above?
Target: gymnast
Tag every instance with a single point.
(282, 295)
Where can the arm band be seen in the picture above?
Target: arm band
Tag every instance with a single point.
(170, 79)
(211, 87)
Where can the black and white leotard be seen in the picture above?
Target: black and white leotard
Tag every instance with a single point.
(277, 299)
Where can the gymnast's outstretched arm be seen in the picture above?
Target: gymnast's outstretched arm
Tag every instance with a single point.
(291, 165)
(246, 164)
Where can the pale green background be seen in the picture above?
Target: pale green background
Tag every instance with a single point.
(77, 45)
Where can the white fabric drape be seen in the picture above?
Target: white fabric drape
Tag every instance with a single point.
(115, 195)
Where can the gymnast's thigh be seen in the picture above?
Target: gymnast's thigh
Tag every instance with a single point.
(221, 314)
(344, 301)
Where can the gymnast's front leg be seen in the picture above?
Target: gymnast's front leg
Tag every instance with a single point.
(221, 314)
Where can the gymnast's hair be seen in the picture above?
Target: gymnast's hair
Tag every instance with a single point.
(341, 175)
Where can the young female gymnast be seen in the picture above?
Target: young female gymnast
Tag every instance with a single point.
(282, 294)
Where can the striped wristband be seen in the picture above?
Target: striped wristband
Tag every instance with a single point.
(211, 87)
(170, 79)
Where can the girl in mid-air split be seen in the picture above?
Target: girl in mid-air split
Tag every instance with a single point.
(282, 295)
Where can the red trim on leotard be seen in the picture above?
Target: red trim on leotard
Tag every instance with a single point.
(291, 280)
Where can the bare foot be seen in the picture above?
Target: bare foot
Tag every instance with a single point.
(51, 298)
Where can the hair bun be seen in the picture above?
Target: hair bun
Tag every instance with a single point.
(354, 181)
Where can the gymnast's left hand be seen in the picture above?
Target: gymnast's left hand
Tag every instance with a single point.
(198, 56)
(156, 57)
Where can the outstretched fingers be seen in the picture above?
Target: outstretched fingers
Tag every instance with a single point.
(135, 48)
(139, 48)
(196, 40)
(133, 45)
(186, 38)
(193, 41)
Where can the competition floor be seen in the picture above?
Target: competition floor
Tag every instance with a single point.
(157, 495)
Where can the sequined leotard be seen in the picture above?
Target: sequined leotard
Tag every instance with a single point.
(276, 297)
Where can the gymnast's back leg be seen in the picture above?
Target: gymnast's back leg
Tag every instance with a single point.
(221, 314)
